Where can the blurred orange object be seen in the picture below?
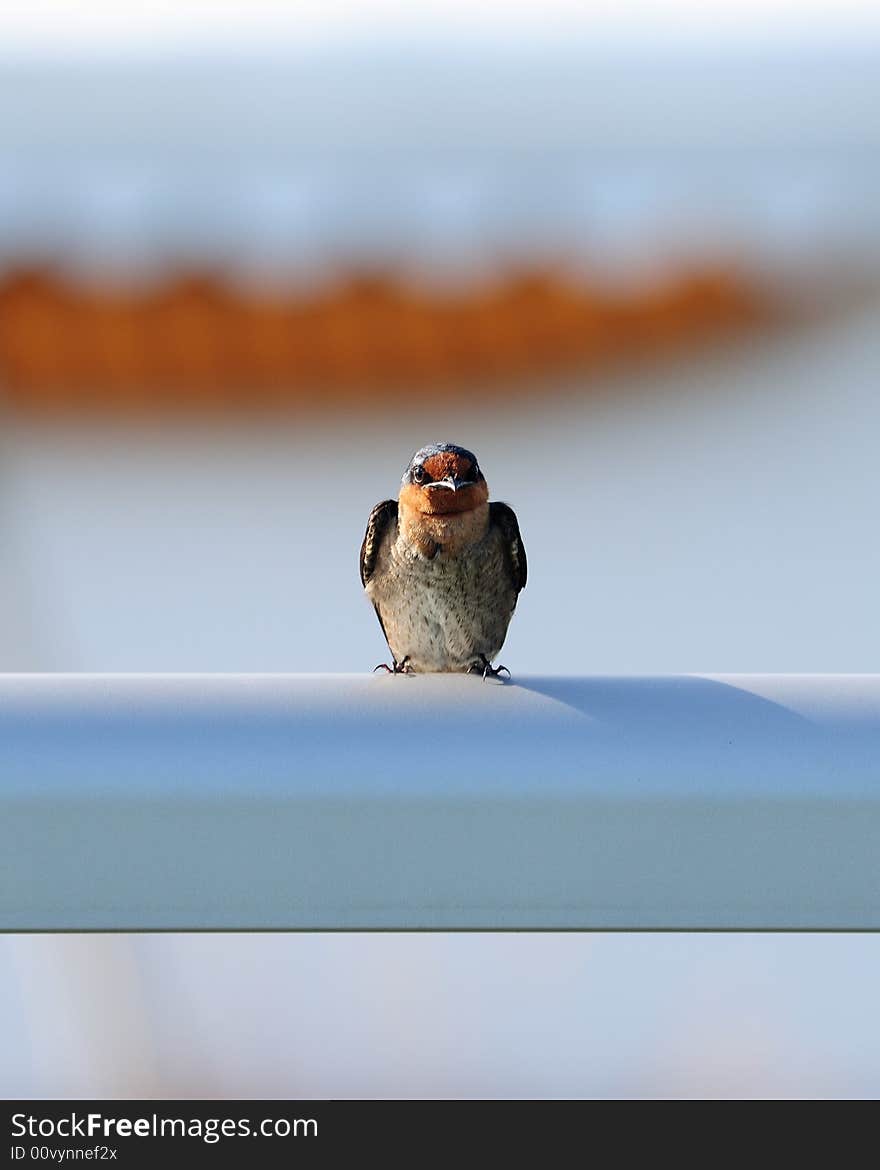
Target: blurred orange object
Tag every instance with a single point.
(199, 341)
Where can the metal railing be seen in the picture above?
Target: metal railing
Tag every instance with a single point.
(439, 802)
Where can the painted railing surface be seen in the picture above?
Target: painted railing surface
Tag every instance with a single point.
(430, 802)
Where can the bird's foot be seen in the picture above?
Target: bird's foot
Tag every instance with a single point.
(484, 667)
(396, 667)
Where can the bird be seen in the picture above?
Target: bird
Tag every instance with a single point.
(443, 567)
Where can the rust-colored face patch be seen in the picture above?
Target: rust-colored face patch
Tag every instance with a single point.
(443, 501)
(448, 463)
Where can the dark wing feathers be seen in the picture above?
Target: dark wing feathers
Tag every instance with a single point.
(377, 525)
(503, 517)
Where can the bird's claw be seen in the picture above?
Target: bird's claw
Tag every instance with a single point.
(485, 667)
(490, 671)
(396, 668)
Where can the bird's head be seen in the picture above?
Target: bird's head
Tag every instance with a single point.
(443, 480)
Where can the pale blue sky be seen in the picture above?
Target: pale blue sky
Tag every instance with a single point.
(69, 27)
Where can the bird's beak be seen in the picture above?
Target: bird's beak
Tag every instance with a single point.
(450, 483)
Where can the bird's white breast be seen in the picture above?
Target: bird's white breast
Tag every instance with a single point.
(443, 612)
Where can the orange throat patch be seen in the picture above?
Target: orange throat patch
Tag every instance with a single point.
(441, 517)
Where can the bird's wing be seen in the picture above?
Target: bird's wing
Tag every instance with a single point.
(503, 517)
(377, 525)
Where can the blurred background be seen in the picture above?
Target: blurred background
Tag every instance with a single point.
(251, 257)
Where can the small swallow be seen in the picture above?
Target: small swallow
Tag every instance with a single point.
(443, 567)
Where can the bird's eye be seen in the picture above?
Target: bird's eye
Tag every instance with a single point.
(418, 475)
